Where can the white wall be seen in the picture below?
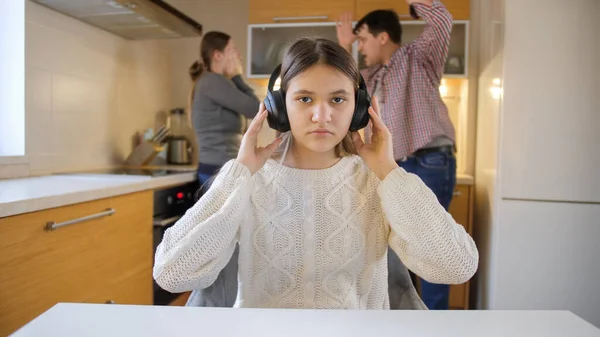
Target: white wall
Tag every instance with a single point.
(87, 93)
(12, 84)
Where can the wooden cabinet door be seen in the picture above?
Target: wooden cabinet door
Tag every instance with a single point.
(135, 288)
(267, 11)
(363, 7)
(460, 208)
(39, 268)
(460, 9)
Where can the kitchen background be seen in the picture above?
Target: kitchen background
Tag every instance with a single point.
(527, 114)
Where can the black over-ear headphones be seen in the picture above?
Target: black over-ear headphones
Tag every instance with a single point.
(277, 114)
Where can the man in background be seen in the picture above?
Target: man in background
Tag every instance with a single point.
(406, 80)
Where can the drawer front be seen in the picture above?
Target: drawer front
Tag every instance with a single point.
(136, 289)
(460, 206)
(40, 268)
(457, 298)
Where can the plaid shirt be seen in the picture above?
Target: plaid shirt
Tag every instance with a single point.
(409, 97)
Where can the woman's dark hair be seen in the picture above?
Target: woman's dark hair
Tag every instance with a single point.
(196, 70)
(307, 52)
(379, 21)
(211, 42)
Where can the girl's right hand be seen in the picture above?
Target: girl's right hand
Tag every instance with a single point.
(253, 157)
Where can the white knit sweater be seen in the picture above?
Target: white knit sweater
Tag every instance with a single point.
(314, 238)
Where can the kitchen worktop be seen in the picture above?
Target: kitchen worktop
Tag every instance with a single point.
(464, 179)
(99, 320)
(31, 194)
(25, 195)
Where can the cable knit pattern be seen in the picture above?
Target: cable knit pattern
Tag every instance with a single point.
(314, 238)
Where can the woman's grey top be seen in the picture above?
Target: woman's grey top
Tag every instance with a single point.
(219, 114)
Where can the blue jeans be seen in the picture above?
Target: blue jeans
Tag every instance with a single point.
(438, 171)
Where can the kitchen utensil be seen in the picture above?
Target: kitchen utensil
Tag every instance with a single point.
(144, 153)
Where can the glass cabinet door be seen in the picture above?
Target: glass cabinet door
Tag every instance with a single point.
(268, 43)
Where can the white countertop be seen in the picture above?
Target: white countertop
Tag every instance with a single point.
(18, 196)
(24, 195)
(104, 320)
(464, 179)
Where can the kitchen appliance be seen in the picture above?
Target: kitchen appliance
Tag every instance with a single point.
(179, 151)
(130, 19)
(170, 204)
(179, 148)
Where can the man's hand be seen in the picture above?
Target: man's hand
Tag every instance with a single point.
(424, 2)
(345, 33)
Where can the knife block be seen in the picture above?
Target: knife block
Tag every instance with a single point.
(143, 153)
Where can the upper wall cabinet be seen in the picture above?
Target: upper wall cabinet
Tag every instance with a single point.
(268, 11)
(458, 8)
(268, 43)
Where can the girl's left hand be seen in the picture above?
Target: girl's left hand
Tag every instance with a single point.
(379, 153)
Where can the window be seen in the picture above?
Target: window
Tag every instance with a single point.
(12, 78)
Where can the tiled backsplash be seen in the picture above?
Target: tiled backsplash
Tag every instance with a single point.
(87, 92)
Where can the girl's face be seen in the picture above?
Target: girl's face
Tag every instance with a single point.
(320, 105)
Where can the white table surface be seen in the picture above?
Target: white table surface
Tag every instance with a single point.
(94, 320)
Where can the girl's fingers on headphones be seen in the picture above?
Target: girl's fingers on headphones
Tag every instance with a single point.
(375, 119)
(257, 122)
(379, 128)
(357, 140)
(375, 104)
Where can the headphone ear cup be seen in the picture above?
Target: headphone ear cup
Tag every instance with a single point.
(360, 119)
(277, 115)
(282, 116)
(271, 110)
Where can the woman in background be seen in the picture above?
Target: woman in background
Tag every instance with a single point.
(221, 102)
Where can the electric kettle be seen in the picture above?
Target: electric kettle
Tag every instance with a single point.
(179, 151)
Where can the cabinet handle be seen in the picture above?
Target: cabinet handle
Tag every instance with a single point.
(110, 302)
(456, 193)
(165, 222)
(51, 225)
(290, 18)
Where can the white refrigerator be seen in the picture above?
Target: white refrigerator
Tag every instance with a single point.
(537, 218)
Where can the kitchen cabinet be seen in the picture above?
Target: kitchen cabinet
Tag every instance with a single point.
(461, 209)
(460, 9)
(268, 43)
(104, 259)
(267, 11)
